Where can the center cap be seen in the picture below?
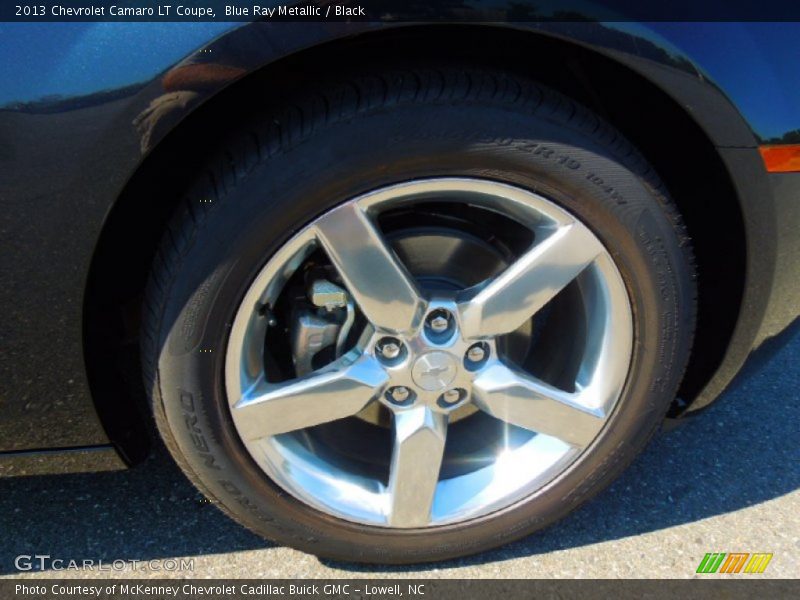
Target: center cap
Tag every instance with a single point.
(434, 371)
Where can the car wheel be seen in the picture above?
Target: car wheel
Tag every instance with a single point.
(417, 314)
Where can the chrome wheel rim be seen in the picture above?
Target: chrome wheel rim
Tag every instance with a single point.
(437, 369)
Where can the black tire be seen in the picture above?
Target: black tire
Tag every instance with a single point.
(356, 134)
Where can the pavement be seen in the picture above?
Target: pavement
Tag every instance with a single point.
(726, 480)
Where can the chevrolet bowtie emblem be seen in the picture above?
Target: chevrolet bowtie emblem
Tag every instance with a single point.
(434, 371)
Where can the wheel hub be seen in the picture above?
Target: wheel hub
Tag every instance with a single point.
(434, 370)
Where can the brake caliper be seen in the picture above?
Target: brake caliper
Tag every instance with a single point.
(325, 324)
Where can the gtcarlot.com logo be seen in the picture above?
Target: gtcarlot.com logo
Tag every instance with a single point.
(734, 562)
(46, 562)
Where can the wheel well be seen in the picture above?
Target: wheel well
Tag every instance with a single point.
(695, 177)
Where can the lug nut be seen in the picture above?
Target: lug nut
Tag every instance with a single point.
(439, 324)
(399, 394)
(477, 353)
(389, 348)
(439, 321)
(451, 396)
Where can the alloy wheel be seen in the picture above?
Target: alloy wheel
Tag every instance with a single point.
(413, 371)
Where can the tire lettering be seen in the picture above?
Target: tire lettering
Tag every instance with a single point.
(196, 435)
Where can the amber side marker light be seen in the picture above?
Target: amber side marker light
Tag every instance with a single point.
(781, 159)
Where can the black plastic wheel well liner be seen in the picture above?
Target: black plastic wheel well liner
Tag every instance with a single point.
(683, 156)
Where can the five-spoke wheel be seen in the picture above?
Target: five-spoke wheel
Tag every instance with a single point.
(424, 354)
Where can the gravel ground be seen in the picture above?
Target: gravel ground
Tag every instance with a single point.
(725, 481)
